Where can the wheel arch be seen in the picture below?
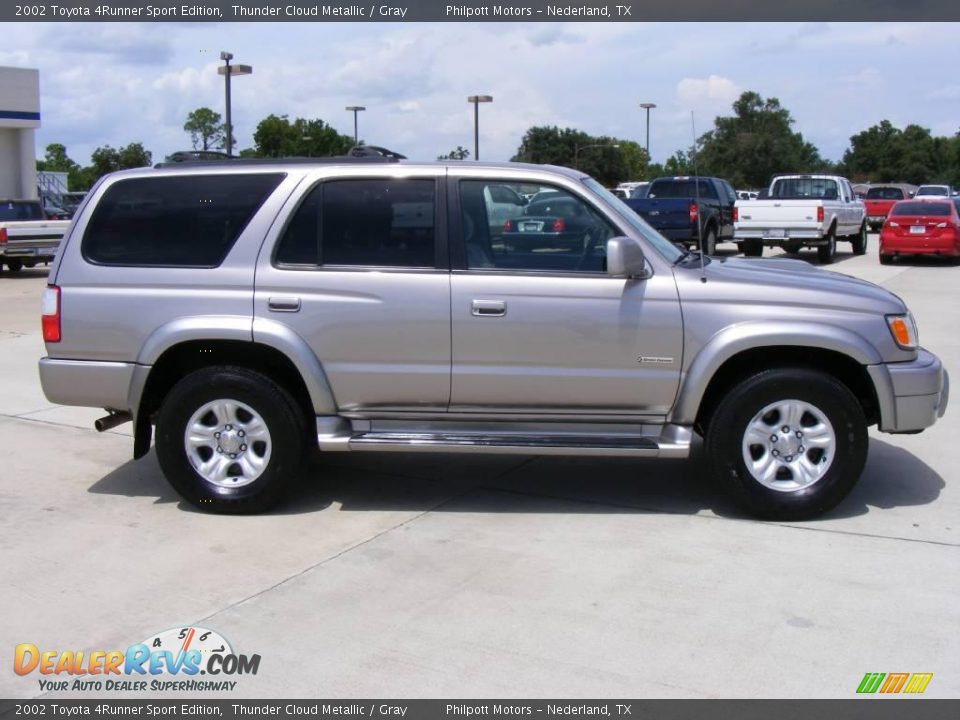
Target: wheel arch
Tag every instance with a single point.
(737, 352)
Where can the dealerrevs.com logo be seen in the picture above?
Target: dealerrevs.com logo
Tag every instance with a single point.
(172, 660)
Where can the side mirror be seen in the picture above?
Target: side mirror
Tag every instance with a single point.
(625, 258)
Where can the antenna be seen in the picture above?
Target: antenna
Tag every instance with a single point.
(696, 192)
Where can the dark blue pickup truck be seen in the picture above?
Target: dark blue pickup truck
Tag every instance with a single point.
(680, 210)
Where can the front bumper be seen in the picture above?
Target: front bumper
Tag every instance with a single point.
(911, 395)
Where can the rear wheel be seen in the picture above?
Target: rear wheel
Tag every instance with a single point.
(14, 265)
(230, 440)
(859, 241)
(752, 248)
(710, 242)
(788, 444)
(828, 251)
(886, 259)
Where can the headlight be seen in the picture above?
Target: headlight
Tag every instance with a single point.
(904, 331)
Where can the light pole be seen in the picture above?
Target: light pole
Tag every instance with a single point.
(476, 100)
(355, 109)
(578, 148)
(648, 106)
(228, 70)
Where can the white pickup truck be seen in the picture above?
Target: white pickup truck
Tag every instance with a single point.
(27, 237)
(802, 211)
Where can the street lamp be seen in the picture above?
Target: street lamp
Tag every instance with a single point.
(228, 70)
(648, 107)
(355, 109)
(476, 100)
(578, 148)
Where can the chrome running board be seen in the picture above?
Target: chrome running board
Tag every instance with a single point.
(337, 434)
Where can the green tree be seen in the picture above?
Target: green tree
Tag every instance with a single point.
(107, 159)
(608, 159)
(885, 153)
(276, 136)
(55, 159)
(461, 153)
(755, 143)
(206, 128)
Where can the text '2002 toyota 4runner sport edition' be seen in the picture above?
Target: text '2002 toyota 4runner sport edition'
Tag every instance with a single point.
(254, 312)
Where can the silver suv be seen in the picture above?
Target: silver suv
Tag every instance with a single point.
(250, 313)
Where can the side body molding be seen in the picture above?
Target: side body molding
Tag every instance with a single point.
(741, 337)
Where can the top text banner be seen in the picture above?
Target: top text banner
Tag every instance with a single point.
(472, 11)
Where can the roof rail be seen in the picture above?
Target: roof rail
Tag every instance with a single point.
(359, 154)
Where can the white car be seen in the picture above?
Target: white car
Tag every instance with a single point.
(934, 192)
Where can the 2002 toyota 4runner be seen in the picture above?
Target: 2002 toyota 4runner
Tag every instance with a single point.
(253, 312)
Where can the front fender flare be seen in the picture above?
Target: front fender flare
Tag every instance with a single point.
(741, 337)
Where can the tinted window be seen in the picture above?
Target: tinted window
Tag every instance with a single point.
(680, 189)
(370, 223)
(12, 210)
(885, 193)
(936, 190)
(556, 231)
(189, 221)
(935, 209)
(801, 188)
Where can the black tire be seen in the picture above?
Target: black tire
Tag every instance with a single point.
(886, 259)
(828, 252)
(14, 265)
(752, 248)
(710, 242)
(726, 434)
(859, 241)
(284, 421)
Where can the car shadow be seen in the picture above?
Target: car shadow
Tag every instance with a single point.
(25, 273)
(893, 477)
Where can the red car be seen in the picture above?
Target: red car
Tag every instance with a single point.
(921, 227)
(880, 198)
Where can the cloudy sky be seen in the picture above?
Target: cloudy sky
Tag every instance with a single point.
(115, 83)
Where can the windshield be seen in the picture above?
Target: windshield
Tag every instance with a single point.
(885, 193)
(666, 248)
(21, 211)
(802, 188)
(939, 190)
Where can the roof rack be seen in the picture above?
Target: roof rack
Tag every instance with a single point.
(359, 154)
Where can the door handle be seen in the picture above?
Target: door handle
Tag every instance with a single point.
(284, 304)
(489, 308)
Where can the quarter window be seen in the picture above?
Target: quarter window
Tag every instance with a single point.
(518, 226)
(181, 221)
(370, 223)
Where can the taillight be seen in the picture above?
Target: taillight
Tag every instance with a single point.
(50, 317)
(693, 212)
(559, 225)
(892, 223)
(507, 226)
(820, 214)
(736, 214)
(3, 236)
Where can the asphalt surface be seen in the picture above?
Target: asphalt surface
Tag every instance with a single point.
(481, 576)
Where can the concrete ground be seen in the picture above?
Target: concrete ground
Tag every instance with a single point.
(481, 576)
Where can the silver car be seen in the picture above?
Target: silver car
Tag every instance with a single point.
(246, 314)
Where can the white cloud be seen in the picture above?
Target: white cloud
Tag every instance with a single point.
(707, 91)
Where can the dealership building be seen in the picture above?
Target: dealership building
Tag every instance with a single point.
(19, 119)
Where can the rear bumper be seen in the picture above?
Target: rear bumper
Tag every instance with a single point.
(87, 383)
(919, 246)
(679, 234)
(912, 395)
(772, 236)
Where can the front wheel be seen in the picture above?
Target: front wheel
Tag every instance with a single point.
(787, 444)
(230, 440)
(859, 241)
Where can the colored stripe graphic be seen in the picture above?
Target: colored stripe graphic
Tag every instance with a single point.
(918, 683)
(870, 682)
(894, 682)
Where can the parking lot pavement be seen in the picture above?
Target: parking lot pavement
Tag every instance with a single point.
(473, 576)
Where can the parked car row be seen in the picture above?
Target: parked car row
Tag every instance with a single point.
(27, 236)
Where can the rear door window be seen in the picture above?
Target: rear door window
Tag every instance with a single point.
(369, 222)
(175, 221)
